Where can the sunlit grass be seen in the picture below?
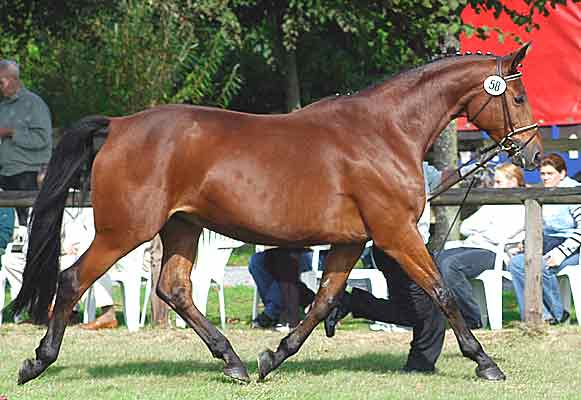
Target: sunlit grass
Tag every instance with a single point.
(356, 364)
(175, 364)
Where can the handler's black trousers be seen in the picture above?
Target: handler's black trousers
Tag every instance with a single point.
(408, 305)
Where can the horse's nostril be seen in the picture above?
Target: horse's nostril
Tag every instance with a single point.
(537, 158)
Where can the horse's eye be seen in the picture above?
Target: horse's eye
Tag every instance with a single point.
(519, 99)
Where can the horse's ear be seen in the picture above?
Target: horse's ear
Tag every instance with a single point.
(518, 56)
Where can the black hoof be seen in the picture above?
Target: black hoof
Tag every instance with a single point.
(238, 373)
(265, 363)
(490, 373)
(30, 369)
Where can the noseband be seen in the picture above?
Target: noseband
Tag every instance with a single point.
(507, 143)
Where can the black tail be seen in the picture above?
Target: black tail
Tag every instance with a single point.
(39, 281)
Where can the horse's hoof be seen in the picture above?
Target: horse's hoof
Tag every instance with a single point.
(490, 373)
(238, 373)
(30, 369)
(265, 363)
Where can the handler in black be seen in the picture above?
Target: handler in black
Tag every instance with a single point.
(408, 304)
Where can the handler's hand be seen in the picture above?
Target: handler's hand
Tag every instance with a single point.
(553, 258)
(551, 262)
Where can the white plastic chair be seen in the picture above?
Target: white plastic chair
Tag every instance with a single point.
(13, 254)
(213, 253)
(570, 285)
(128, 272)
(488, 286)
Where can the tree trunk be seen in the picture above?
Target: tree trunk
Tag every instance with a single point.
(445, 155)
(291, 81)
(159, 309)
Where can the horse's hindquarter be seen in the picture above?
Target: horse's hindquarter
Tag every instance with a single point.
(258, 178)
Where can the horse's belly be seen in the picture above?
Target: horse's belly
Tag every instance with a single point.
(282, 229)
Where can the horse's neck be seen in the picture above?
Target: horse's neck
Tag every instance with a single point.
(425, 101)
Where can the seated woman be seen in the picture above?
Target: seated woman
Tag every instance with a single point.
(483, 233)
(561, 241)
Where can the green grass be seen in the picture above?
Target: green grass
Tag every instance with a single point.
(241, 255)
(356, 364)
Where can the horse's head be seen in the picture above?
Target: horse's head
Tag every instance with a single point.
(501, 108)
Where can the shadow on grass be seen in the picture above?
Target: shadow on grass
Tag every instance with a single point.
(369, 362)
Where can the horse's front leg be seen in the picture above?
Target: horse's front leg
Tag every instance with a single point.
(408, 249)
(338, 263)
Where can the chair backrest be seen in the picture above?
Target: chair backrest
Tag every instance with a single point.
(132, 263)
(210, 239)
(20, 234)
(214, 250)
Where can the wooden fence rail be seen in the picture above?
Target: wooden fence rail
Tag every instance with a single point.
(532, 198)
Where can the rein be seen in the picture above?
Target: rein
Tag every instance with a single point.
(437, 254)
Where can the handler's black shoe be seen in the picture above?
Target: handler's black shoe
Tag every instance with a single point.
(563, 319)
(337, 314)
(418, 370)
(263, 321)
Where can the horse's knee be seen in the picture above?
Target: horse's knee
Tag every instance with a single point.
(321, 308)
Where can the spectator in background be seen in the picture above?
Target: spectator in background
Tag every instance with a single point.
(269, 287)
(25, 134)
(484, 231)
(577, 176)
(561, 241)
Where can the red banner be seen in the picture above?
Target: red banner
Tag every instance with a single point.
(552, 67)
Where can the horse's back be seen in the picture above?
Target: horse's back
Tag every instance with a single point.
(252, 172)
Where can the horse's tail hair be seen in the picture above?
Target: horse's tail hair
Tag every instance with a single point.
(40, 277)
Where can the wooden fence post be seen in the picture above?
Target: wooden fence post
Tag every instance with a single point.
(533, 263)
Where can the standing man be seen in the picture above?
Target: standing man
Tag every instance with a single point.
(25, 134)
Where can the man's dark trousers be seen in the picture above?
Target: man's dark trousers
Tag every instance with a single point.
(408, 305)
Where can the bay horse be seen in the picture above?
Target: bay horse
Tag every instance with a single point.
(352, 171)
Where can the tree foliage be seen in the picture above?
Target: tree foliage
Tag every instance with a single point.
(95, 56)
(344, 46)
(131, 56)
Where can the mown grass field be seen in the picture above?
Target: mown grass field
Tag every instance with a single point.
(356, 364)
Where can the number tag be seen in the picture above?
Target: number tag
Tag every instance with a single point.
(494, 85)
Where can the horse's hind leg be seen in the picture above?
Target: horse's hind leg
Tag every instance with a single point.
(72, 283)
(408, 249)
(338, 263)
(175, 288)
